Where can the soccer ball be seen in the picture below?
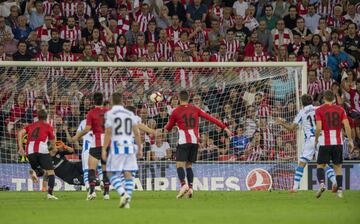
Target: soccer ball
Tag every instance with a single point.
(156, 97)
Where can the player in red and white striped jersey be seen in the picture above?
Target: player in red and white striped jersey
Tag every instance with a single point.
(186, 117)
(143, 17)
(330, 119)
(39, 134)
(95, 123)
(71, 32)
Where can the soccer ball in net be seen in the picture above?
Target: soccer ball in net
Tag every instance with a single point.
(156, 97)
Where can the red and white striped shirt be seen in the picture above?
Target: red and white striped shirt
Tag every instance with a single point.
(153, 56)
(67, 57)
(97, 46)
(164, 49)
(143, 20)
(146, 77)
(221, 58)
(152, 110)
(44, 57)
(122, 51)
(256, 152)
(105, 82)
(73, 35)
(47, 7)
(184, 77)
(313, 89)
(262, 57)
(286, 38)
(268, 137)
(184, 46)
(44, 33)
(331, 117)
(325, 84)
(232, 47)
(227, 22)
(139, 51)
(301, 9)
(326, 9)
(217, 11)
(264, 110)
(123, 24)
(68, 8)
(174, 34)
(333, 22)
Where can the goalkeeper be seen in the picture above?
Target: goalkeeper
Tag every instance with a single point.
(69, 171)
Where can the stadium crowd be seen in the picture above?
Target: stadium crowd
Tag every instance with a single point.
(325, 34)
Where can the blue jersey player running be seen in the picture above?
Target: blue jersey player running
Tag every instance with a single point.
(306, 118)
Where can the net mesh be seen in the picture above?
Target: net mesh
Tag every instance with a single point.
(246, 99)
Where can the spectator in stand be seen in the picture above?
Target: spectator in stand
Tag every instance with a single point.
(152, 33)
(221, 140)
(241, 32)
(250, 46)
(80, 14)
(302, 30)
(312, 18)
(44, 31)
(66, 54)
(44, 54)
(72, 33)
(352, 42)
(143, 16)
(239, 142)
(55, 44)
(36, 12)
(160, 150)
(326, 81)
(33, 43)
(352, 14)
(281, 8)
(132, 34)
(240, 7)
(323, 30)
(337, 21)
(163, 21)
(250, 21)
(22, 30)
(315, 45)
(338, 61)
(12, 19)
(87, 54)
(254, 150)
(291, 18)
(281, 36)
(313, 87)
(296, 46)
(215, 36)
(22, 54)
(10, 44)
(264, 36)
(196, 11)
(86, 32)
(269, 17)
(175, 7)
(4, 29)
(249, 121)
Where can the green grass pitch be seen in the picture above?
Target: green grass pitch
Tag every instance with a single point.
(162, 207)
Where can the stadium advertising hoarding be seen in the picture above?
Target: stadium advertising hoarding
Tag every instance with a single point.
(209, 177)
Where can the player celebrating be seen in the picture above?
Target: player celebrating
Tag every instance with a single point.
(39, 133)
(306, 118)
(186, 116)
(95, 122)
(120, 130)
(329, 121)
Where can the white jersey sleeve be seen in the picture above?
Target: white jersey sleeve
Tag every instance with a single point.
(306, 118)
(86, 138)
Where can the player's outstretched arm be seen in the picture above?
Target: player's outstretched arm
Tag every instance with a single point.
(146, 129)
(138, 141)
(81, 133)
(288, 126)
(20, 142)
(348, 134)
(215, 121)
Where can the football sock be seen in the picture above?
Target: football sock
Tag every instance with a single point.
(320, 175)
(190, 176)
(339, 181)
(106, 183)
(181, 175)
(86, 178)
(100, 172)
(51, 184)
(129, 186)
(298, 175)
(116, 183)
(92, 180)
(330, 174)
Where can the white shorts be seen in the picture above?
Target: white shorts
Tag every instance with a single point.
(121, 163)
(308, 150)
(85, 159)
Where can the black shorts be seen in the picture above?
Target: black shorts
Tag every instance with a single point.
(329, 153)
(96, 153)
(43, 161)
(187, 152)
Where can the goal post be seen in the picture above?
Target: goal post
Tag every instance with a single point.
(246, 96)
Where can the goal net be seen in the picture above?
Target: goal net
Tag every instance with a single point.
(247, 97)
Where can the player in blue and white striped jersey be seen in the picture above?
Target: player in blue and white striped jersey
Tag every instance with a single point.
(120, 131)
(306, 118)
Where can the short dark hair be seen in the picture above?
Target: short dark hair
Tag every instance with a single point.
(329, 96)
(98, 99)
(184, 95)
(306, 100)
(116, 98)
(42, 115)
